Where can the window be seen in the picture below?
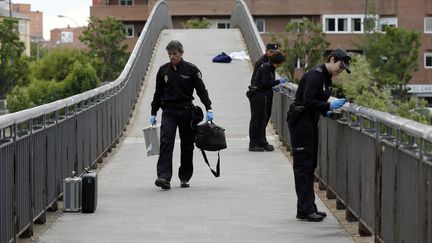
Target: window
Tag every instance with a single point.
(126, 2)
(428, 25)
(22, 26)
(387, 22)
(128, 30)
(356, 25)
(428, 60)
(330, 25)
(343, 23)
(298, 22)
(223, 25)
(260, 24)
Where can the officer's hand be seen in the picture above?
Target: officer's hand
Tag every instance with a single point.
(283, 80)
(153, 120)
(276, 89)
(337, 103)
(329, 114)
(209, 116)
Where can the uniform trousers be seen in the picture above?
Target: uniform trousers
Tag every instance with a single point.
(260, 106)
(304, 142)
(171, 119)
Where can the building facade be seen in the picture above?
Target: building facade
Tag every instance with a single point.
(65, 37)
(36, 19)
(23, 24)
(342, 21)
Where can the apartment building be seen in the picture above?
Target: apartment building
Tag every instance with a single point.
(65, 37)
(36, 19)
(23, 24)
(342, 21)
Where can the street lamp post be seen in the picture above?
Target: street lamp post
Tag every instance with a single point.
(63, 16)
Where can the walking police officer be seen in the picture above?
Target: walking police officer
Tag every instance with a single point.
(313, 92)
(261, 102)
(175, 83)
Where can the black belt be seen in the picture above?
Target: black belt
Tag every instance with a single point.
(176, 105)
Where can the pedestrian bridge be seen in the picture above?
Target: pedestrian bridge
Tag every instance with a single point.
(375, 165)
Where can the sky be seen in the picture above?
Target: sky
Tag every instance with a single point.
(77, 11)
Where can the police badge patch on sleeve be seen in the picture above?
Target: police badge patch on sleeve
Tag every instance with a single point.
(199, 75)
(166, 78)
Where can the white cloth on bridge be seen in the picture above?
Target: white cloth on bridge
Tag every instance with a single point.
(239, 55)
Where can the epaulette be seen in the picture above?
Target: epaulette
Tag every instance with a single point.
(319, 69)
(165, 65)
(191, 64)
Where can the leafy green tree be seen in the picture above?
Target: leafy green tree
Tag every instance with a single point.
(83, 77)
(360, 86)
(196, 23)
(13, 65)
(108, 54)
(56, 64)
(35, 94)
(302, 41)
(18, 99)
(34, 51)
(413, 109)
(393, 57)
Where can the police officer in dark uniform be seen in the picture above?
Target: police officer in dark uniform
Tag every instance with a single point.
(175, 83)
(261, 102)
(271, 49)
(313, 92)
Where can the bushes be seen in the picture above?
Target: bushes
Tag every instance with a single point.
(81, 78)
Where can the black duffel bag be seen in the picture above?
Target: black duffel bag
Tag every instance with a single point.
(210, 137)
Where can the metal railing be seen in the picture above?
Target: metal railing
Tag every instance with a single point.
(39, 147)
(376, 165)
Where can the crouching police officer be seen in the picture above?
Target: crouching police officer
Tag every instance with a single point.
(261, 102)
(313, 92)
(175, 83)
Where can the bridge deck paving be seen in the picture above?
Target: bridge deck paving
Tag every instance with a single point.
(253, 201)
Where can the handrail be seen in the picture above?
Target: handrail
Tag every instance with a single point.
(241, 18)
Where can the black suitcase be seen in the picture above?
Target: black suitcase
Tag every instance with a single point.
(89, 192)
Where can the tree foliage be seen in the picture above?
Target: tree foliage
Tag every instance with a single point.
(303, 41)
(82, 77)
(361, 88)
(393, 56)
(13, 65)
(196, 23)
(55, 65)
(104, 39)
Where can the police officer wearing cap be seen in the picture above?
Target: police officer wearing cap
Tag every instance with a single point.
(175, 84)
(271, 49)
(261, 102)
(313, 91)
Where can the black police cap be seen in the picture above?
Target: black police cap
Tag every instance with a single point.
(272, 46)
(343, 57)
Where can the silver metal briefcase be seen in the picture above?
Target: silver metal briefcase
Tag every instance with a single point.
(151, 137)
(72, 194)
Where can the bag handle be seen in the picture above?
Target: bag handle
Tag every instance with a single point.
(217, 172)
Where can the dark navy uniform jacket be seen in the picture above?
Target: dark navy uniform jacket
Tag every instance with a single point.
(265, 78)
(175, 87)
(313, 91)
(263, 59)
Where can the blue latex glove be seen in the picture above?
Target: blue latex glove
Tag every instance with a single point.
(337, 103)
(328, 114)
(209, 116)
(283, 80)
(153, 120)
(276, 89)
